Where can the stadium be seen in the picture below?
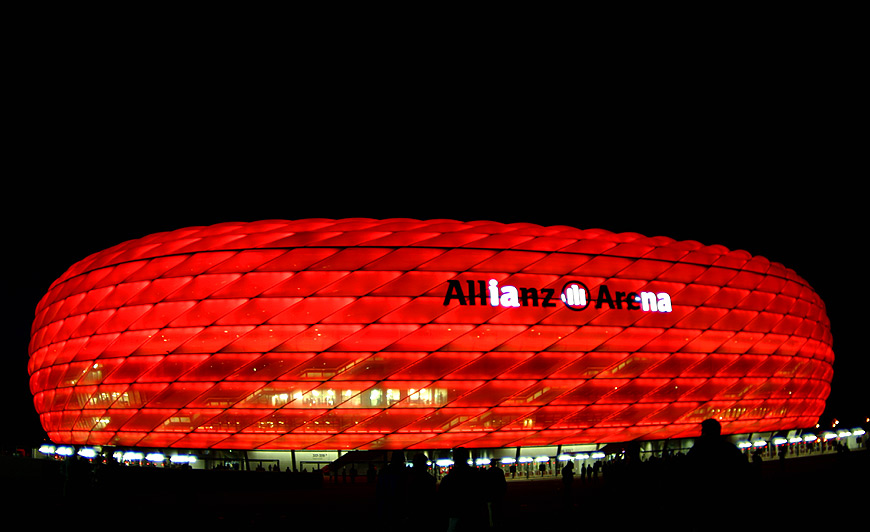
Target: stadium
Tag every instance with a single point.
(296, 343)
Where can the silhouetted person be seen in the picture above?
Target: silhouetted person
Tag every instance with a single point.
(422, 489)
(717, 469)
(713, 454)
(391, 492)
(76, 477)
(461, 495)
(567, 482)
(496, 488)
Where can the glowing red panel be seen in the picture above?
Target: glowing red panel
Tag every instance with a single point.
(383, 334)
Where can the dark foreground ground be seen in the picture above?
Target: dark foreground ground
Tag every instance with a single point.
(825, 490)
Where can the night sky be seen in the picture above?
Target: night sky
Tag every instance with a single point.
(812, 228)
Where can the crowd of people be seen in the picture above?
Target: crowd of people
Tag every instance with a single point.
(473, 498)
(470, 498)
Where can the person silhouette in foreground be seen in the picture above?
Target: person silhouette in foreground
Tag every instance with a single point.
(567, 483)
(495, 490)
(421, 491)
(391, 491)
(714, 455)
(462, 495)
(718, 472)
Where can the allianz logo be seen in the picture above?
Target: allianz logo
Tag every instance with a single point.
(574, 295)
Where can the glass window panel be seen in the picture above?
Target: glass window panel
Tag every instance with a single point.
(347, 394)
(138, 395)
(489, 365)
(634, 390)
(358, 283)
(543, 392)
(390, 420)
(296, 260)
(257, 310)
(232, 420)
(537, 367)
(351, 258)
(187, 419)
(270, 366)
(379, 366)
(276, 394)
(494, 393)
(345, 441)
(206, 312)
(590, 365)
(589, 392)
(325, 366)
(179, 394)
(225, 394)
(146, 419)
(218, 366)
(212, 339)
(436, 365)
(673, 390)
(246, 260)
(128, 369)
(708, 390)
(285, 420)
(338, 420)
(374, 337)
(263, 338)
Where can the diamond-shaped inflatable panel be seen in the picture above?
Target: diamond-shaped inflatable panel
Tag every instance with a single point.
(380, 334)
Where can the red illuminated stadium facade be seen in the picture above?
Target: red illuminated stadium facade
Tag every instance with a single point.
(406, 334)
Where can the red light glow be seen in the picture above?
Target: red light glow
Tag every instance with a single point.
(380, 334)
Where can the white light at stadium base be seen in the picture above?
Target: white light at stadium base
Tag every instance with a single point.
(87, 453)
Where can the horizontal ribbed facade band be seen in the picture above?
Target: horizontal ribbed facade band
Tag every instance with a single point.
(404, 334)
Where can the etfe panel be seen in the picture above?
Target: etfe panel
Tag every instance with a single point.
(404, 334)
